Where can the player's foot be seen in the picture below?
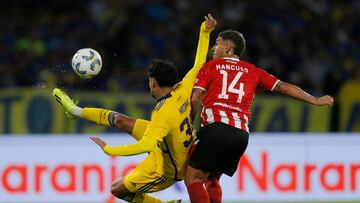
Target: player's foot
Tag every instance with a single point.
(174, 201)
(65, 102)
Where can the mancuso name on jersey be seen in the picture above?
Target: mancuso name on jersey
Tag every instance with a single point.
(230, 84)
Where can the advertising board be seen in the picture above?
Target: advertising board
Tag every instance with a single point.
(277, 167)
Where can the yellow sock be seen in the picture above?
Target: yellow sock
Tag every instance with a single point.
(97, 115)
(145, 198)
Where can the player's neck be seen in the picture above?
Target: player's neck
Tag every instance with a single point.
(232, 56)
(162, 92)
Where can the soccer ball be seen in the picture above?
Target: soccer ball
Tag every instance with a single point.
(86, 63)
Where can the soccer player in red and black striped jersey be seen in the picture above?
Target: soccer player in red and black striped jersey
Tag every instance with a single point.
(228, 85)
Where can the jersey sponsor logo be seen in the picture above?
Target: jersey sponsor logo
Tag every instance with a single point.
(184, 106)
(227, 106)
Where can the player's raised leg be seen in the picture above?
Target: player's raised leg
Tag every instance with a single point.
(133, 126)
(68, 104)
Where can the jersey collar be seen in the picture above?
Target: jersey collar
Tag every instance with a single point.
(231, 58)
(164, 97)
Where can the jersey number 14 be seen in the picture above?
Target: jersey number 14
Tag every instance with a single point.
(232, 87)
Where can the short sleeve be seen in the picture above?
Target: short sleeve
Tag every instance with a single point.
(202, 79)
(158, 127)
(266, 80)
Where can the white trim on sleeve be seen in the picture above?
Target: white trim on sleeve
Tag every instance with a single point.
(198, 87)
(274, 85)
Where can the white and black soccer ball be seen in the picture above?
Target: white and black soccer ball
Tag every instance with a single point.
(86, 63)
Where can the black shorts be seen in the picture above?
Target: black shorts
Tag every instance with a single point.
(219, 148)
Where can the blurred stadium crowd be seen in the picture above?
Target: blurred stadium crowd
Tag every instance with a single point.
(314, 44)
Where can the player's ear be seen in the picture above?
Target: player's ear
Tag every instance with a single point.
(153, 82)
(156, 84)
(229, 47)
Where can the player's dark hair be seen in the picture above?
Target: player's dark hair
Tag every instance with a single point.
(164, 72)
(237, 38)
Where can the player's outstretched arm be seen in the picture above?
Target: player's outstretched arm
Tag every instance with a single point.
(146, 144)
(204, 38)
(98, 115)
(297, 93)
(201, 52)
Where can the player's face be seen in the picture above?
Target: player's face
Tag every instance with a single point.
(219, 49)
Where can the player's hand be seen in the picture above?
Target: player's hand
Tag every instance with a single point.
(324, 100)
(210, 22)
(99, 142)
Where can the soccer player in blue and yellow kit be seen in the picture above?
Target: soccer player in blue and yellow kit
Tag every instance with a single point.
(167, 136)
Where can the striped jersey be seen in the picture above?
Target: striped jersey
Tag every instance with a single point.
(230, 84)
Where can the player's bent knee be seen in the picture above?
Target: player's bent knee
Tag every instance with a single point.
(194, 175)
(115, 188)
(119, 190)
